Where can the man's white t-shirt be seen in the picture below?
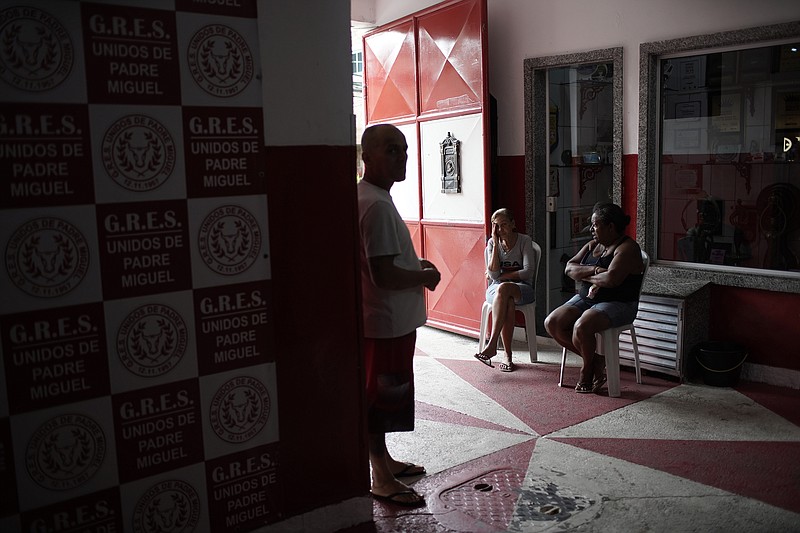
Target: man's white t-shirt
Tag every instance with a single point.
(387, 313)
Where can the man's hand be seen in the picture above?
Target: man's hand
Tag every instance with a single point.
(433, 277)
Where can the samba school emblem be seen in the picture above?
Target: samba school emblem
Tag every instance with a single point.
(36, 52)
(138, 153)
(169, 507)
(65, 452)
(229, 240)
(240, 409)
(152, 340)
(47, 257)
(220, 60)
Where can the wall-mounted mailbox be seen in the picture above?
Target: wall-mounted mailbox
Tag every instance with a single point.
(450, 149)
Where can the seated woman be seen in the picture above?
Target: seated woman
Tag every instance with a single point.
(510, 267)
(609, 268)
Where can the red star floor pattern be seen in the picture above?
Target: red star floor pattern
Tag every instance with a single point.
(515, 452)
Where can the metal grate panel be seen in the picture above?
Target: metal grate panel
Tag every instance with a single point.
(658, 326)
(503, 497)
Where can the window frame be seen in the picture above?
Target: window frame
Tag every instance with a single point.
(648, 206)
(536, 142)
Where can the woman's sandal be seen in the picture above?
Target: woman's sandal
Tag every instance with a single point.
(507, 367)
(584, 388)
(598, 383)
(485, 359)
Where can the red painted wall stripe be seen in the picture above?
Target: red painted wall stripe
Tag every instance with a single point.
(313, 242)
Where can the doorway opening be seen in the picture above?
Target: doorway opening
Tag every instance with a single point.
(573, 157)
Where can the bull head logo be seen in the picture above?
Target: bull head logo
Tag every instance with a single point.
(48, 255)
(167, 514)
(152, 340)
(221, 60)
(138, 153)
(66, 451)
(30, 47)
(230, 240)
(240, 408)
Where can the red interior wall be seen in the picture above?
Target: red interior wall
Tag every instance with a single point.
(510, 190)
(762, 321)
(630, 170)
(313, 242)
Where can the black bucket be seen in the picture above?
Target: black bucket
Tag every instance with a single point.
(720, 362)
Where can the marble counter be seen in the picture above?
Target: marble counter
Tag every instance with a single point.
(659, 283)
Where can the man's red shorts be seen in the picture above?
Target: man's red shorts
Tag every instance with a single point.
(390, 383)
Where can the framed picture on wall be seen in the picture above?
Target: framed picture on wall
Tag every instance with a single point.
(688, 111)
(787, 110)
(579, 220)
(726, 112)
(691, 72)
(687, 138)
(554, 188)
(688, 178)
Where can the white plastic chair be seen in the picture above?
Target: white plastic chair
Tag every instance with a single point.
(528, 310)
(608, 346)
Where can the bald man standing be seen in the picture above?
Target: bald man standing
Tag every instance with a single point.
(393, 279)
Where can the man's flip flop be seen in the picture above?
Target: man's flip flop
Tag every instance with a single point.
(485, 359)
(410, 470)
(395, 499)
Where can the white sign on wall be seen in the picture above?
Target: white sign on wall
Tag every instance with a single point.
(137, 385)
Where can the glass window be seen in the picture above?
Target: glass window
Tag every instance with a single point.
(573, 155)
(358, 72)
(580, 134)
(358, 62)
(728, 167)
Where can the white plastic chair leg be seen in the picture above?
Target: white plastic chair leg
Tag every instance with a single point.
(484, 326)
(611, 352)
(530, 333)
(636, 356)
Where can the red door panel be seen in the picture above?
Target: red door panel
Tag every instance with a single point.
(457, 252)
(433, 63)
(413, 229)
(390, 73)
(450, 52)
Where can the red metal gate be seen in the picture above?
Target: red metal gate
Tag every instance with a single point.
(427, 74)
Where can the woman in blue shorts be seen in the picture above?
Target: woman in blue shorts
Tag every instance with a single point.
(510, 267)
(609, 269)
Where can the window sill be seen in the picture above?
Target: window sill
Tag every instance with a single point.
(762, 281)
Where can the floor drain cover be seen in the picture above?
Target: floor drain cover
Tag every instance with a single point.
(490, 498)
(500, 497)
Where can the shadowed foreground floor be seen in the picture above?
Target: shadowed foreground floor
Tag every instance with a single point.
(515, 452)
